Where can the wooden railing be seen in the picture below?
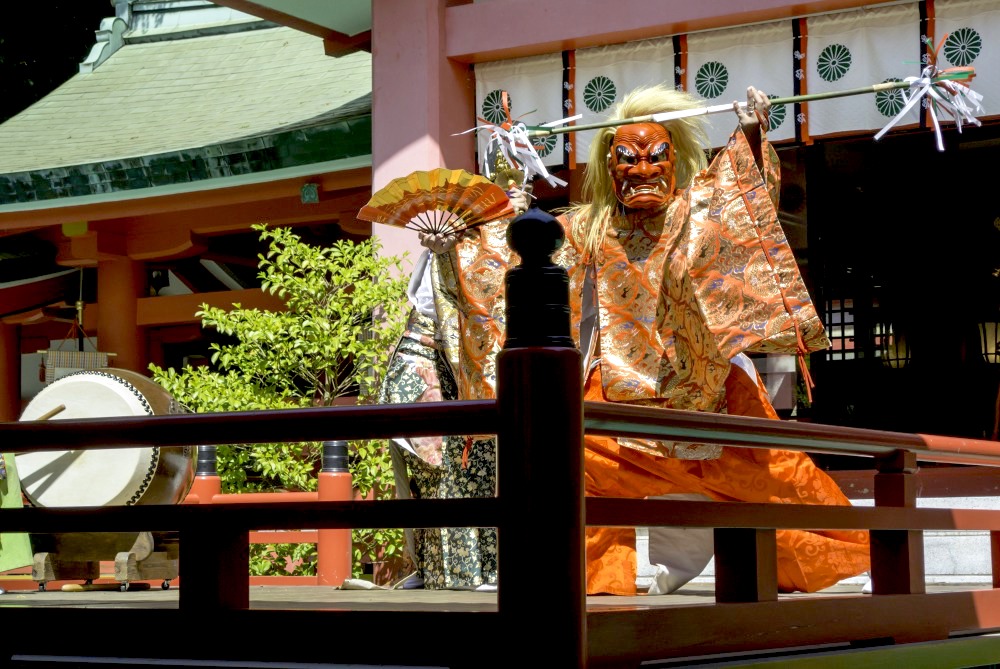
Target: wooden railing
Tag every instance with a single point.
(334, 555)
(540, 492)
(536, 470)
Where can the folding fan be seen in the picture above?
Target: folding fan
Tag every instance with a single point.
(438, 201)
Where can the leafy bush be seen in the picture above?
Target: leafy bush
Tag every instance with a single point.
(283, 559)
(346, 307)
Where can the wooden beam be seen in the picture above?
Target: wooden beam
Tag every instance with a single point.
(341, 42)
(170, 235)
(943, 481)
(194, 200)
(180, 309)
(623, 512)
(33, 294)
(633, 634)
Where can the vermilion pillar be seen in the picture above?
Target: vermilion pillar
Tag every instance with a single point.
(10, 373)
(120, 282)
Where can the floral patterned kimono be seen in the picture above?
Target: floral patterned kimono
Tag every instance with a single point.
(440, 467)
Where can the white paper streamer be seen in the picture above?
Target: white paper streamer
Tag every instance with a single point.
(953, 97)
(518, 149)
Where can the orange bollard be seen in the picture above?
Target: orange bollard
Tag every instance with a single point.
(334, 548)
(207, 483)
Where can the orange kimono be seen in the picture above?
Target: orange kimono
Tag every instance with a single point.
(807, 560)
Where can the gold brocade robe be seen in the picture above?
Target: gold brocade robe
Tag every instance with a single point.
(469, 298)
(677, 293)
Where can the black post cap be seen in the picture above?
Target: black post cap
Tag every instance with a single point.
(206, 463)
(335, 456)
(537, 289)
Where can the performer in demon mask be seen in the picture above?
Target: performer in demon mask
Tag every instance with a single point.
(677, 269)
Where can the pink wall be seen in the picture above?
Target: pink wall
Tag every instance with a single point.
(419, 100)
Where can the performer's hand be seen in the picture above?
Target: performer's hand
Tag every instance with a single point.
(520, 198)
(437, 243)
(756, 112)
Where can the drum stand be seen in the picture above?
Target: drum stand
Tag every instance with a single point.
(138, 556)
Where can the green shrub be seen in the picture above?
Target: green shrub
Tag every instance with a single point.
(346, 307)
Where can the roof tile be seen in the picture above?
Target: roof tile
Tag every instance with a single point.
(162, 97)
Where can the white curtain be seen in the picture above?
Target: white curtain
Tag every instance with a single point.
(842, 50)
(722, 63)
(973, 39)
(860, 48)
(535, 88)
(604, 74)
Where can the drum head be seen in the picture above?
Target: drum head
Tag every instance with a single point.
(98, 476)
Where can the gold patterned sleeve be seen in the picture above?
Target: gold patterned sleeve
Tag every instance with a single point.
(771, 170)
(469, 297)
(746, 279)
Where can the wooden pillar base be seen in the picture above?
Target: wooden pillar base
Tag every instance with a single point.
(897, 555)
(746, 565)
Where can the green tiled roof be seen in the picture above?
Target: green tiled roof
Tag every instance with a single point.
(188, 110)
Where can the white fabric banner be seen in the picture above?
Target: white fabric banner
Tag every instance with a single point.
(844, 50)
(861, 48)
(535, 88)
(721, 64)
(605, 74)
(973, 39)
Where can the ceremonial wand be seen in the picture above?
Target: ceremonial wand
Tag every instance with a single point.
(944, 89)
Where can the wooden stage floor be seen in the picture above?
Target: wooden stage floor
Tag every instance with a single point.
(272, 601)
(302, 597)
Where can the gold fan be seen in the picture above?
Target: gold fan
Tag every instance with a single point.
(438, 201)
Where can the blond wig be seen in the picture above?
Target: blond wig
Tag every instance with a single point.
(690, 143)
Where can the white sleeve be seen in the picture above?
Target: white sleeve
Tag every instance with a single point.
(742, 361)
(420, 290)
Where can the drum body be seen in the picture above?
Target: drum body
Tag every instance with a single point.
(104, 476)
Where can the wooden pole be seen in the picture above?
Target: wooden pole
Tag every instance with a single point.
(897, 555)
(535, 132)
(540, 458)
